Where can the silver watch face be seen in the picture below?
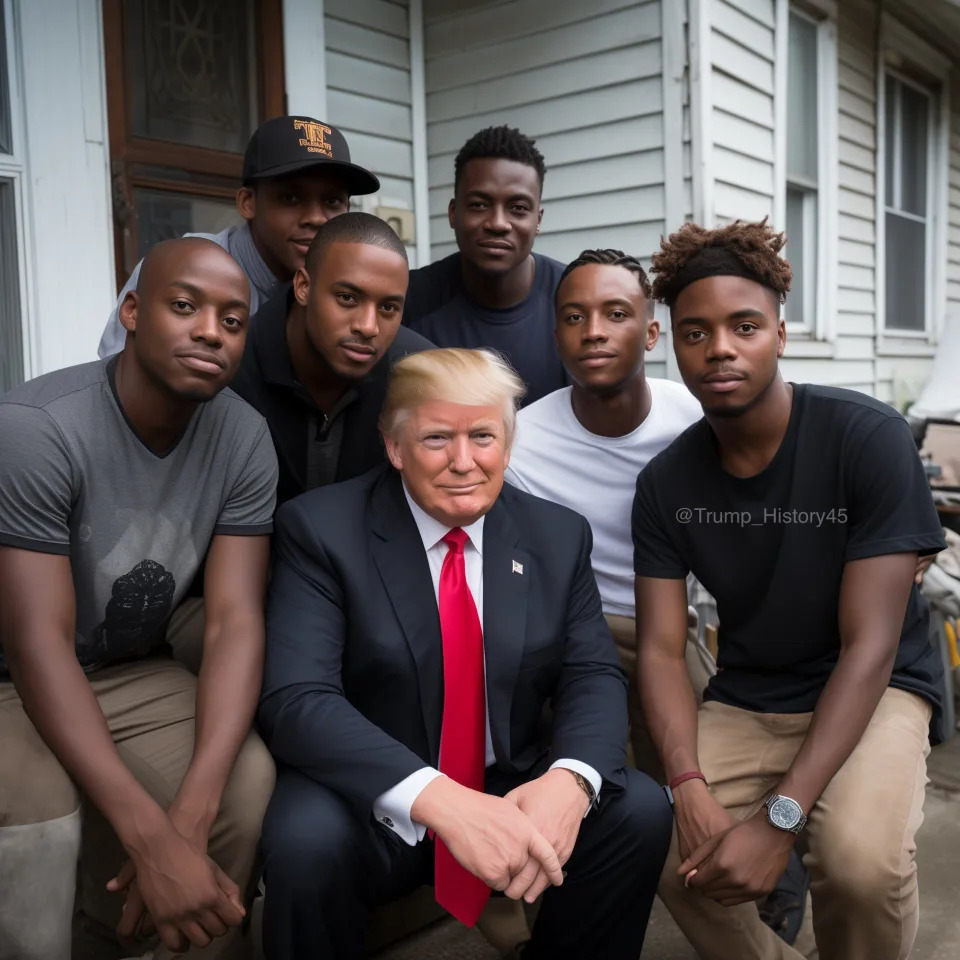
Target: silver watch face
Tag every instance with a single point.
(784, 813)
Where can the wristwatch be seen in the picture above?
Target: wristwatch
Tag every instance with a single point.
(785, 814)
(587, 787)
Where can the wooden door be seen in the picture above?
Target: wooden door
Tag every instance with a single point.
(187, 83)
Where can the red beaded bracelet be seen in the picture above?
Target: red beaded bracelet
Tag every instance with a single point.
(683, 777)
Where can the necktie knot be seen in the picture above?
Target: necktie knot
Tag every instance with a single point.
(456, 539)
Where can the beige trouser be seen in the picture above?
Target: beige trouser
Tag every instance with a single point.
(860, 836)
(699, 667)
(149, 707)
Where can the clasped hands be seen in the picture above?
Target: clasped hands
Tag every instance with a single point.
(518, 843)
(730, 861)
(174, 889)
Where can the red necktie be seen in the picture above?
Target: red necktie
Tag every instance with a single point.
(463, 734)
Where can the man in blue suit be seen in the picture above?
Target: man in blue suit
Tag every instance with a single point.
(443, 697)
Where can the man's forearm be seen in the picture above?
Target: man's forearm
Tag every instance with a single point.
(670, 709)
(60, 702)
(227, 691)
(843, 711)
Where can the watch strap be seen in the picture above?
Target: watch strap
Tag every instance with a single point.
(587, 787)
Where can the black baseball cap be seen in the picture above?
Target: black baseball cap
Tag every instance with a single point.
(287, 144)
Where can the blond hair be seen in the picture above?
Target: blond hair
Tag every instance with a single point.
(475, 378)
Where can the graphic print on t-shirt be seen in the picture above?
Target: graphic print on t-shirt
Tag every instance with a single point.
(139, 605)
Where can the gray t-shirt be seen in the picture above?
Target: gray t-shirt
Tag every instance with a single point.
(77, 480)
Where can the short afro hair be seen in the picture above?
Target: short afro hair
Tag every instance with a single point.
(608, 258)
(505, 142)
(354, 227)
(751, 249)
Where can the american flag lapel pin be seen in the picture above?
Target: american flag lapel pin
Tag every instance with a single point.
(517, 568)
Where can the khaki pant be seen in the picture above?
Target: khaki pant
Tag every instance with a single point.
(860, 836)
(700, 667)
(150, 708)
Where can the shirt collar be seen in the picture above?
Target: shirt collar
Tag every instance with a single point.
(433, 531)
(245, 252)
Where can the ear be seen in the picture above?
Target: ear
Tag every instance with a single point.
(393, 452)
(247, 202)
(301, 286)
(653, 333)
(451, 206)
(128, 311)
(539, 218)
(781, 337)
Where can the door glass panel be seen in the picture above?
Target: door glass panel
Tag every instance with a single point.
(906, 273)
(191, 73)
(162, 215)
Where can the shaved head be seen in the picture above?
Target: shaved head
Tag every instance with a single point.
(168, 257)
(187, 319)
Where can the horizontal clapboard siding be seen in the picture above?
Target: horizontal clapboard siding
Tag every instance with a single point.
(585, 81)
(857, 169)
(368, 90)
(953, 220)
(741, 44)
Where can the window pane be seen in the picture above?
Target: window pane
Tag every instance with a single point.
(796, 309)
(802, 99)
(162, 215)
(906, 274)
(890, 136)
(191, 71)
(11, 327)
(915, 110)
(6, 144)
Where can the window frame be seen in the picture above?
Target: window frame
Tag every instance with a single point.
(13, 171)
(820, 285)
(912, 61)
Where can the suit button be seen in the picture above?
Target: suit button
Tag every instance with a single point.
(387, 822)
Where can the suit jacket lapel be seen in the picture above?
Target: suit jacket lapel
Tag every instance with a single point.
(506, 576)
(402, 563)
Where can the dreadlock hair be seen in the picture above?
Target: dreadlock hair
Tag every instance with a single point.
(608, 258)
(506, 142)
(741, 248)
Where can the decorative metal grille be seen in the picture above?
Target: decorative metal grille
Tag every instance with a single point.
(190, 68)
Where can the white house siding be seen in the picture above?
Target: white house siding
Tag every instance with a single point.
(740, 98)
(852, 364)
(585, 81)
(953, 222)
(368, 90)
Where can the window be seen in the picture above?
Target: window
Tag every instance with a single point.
(187, 83)
(912, 196)
(803, 167)
(908, 124)
(11, 303)
(806, 159)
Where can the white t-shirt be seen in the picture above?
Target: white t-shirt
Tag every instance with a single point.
(555, 457)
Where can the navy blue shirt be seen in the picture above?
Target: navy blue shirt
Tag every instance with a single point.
(438, 308)
(845, 484)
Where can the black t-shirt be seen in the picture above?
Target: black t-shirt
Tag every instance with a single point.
(438, 308)
(845, 484)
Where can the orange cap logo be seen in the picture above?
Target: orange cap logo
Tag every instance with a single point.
(312, 139)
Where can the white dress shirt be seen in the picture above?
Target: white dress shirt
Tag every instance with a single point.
(392, 808)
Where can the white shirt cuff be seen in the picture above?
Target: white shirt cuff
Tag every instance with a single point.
(392, 808)
(585, 771)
